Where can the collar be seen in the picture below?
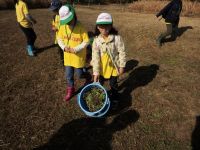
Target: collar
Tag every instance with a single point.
(108, 40)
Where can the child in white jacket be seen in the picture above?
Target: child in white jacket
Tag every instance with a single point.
(108, 53)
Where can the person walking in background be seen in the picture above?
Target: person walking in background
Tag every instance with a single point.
(108, 54)
(73, 40)
(55, 6)
(171, 14)
(26, 22)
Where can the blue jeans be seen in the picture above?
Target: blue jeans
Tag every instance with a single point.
(69, 70)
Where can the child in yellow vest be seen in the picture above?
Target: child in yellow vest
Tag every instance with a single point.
(26, 24)
(55, 6)
(73, 40)
(108, 54)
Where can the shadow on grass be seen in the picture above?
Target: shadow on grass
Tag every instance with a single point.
(40, 50)
(138, 77)
(131, 64)
(181, 30)
(179, 33)
(89, 133)
(196, 135)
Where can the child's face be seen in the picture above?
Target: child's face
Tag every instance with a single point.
(104, 29)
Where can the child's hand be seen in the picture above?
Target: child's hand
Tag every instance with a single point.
(72, 51)
(121, 71)
(67, 49)
(96, 78)
(54, 28)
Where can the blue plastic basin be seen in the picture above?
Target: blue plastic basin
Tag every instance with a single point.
(82, 104)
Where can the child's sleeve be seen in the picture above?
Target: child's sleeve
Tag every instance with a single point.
(25, 9)
(122, 52)
(164, 11)
(26, 14)
(95, 58)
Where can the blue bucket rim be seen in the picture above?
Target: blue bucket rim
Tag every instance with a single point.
(100, 114)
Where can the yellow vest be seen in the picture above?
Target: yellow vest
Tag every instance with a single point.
(56, 24)
(73, 39)
(21, 11)
(107, 67)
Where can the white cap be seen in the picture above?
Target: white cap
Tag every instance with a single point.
(104, 18)
(66, 15)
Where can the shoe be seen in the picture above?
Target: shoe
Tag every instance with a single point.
(69, 93)
(30, 50)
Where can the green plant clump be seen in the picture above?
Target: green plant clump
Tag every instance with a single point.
(94, 98)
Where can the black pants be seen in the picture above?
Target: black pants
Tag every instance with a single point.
(30, 35)
(113, 84)
(168, 31)
(171, 30)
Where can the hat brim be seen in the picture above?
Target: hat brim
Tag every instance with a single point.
(106, 23)
(66, 21)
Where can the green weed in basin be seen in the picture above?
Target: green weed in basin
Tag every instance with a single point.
(94, 98)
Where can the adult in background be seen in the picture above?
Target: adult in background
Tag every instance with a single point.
(171, 14)
(26, 22)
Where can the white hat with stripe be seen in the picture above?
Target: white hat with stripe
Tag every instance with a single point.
(66, 14)
(104, 18)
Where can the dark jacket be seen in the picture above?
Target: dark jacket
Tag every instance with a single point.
(171, 12)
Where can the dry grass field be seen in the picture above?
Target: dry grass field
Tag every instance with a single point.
(189, 8)
(159, 102)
